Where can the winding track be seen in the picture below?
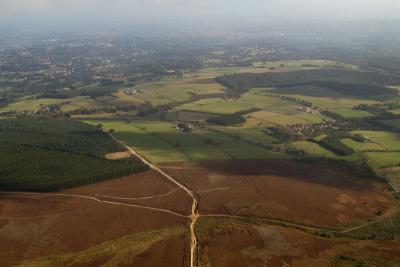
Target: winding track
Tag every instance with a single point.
(97, 200)
(195, 207)
(140, 198)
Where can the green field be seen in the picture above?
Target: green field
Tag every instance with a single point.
(332, 104)
(378, 160)
(361, 146)
(176, 90)
(351, 113)
(216, 105)
(304, 64)
(260, 100)
(186, 115)
(162, 142)
(250, 134)
(118, 99)
(313, 149)
(71, 104)
(31, 105)
(387, 140)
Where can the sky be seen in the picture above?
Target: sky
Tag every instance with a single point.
(198, 10)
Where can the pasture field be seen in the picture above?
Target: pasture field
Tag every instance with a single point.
(216, 105)
(276, 118)
(361, 146)
(142, 136)
(284, 120)
(186, 115)
(252, 122)
(218, 71)
(84, 102)
(313, 149)
(238, 149)
(332, 104)
(170, 91)
(262, 67)
(312, 118)
(259, 100)
(348, 113)
(387, 140)
(31, 105)
(304, 64)
(162, 142)
(118, 99)
(378, 160)
(74, 103)
(256, 135)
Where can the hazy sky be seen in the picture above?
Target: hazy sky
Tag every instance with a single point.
(258, 10)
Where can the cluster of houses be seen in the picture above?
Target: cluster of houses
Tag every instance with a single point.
(183, 127)
(134, 91)
(318, 128)
(310, 110)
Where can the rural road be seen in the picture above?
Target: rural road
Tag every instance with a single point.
(195, 209)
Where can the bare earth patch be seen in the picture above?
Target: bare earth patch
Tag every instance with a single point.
(117, 155)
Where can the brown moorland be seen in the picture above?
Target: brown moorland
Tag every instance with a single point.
(310, 194)
(60, 226)
(148, 189)
(227, 242)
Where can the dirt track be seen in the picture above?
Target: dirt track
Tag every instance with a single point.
(195, 210)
